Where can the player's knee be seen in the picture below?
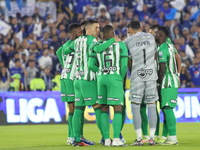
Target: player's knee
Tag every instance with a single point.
(104, 107)
(71, 107)
(117, 107)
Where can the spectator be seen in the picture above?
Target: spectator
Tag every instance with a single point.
(16, 84)
(23, 51)
(117, 30)
(36, 16)
(185, 32)
(45, 60)
(6, 55)
(195, 45)
(90, 14)
(37, 84)
(15, 26)
(12, 61)
(176, 33)
(185, 47)
(29, 26)
(186, 21)
(19, 69)
(55, 42)
(2, 64)
(4, 79)
(195, 73)
(34, 50)
(47, 77)
(46, 38)
(63, 37)
(56, 85)
(161, 18)
(129, 16)
(185, 77)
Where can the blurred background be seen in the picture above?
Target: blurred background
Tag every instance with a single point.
(31, 31)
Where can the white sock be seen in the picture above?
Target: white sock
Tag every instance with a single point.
(139, 134)
(163, 137)
(172, 138)
(116, 139)
(146, 136)
(152, 132)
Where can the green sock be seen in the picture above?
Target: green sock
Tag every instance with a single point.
(70, 127)
(76, 121)
(171, 121)
(165, 131)
(143, 113)
(158, 123)
(105, 124)
(98, 118)
(123, 116)
(117, 124)
(82, 122)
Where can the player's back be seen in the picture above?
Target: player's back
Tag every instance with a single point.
(69, 63)
(82, 53)
(142, 47)
(109, 59)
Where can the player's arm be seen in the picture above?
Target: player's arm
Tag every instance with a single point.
(161, 72)
(92, 62)
(130, 64)
(69, 49)
(124, 59)
(59, 54)
(101, 47)
(162, 59)
(178, 62)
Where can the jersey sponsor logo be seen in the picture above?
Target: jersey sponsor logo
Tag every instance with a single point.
(150, 96)
(141, 37)
(161, 58)
(138, 44)
(107, 70)
(113, 99)
(100, 97)
(70, 95)
(87, 99)
(79, 74)
(77, 99)
(142, 73)
(68, 70)
(63, 94)
(160, 54)
(173, 101)
(137, 96)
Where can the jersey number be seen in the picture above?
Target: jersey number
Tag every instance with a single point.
(144, 55)
(107, 60)
(72, 59)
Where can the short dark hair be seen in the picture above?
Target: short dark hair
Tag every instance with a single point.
(154, 26)
(16, 60)
(135, 24)
(91, 21)
(73, 26)
(83, 22)
(31, 61)
(164, 30)
(107, 28)
(128, 26)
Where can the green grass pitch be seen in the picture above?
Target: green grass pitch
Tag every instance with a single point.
(53, 137)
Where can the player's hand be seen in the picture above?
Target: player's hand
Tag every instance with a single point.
(117, 39)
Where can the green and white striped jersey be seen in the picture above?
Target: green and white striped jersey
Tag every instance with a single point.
(166, 54)
(82, 47)
(68, 63)
(110, 59)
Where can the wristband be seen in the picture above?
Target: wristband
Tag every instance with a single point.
(178, 74)
(158, 84)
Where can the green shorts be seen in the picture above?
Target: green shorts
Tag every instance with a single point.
(85, 92)
(67, 90)
(110, 89)
(169, 97)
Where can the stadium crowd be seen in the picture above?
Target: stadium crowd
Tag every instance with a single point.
(32, 59)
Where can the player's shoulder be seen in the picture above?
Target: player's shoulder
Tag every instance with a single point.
(163, 46)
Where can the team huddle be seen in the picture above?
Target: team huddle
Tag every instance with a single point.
(93, 74)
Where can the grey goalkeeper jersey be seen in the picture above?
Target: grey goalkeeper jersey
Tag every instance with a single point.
(142, 47)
